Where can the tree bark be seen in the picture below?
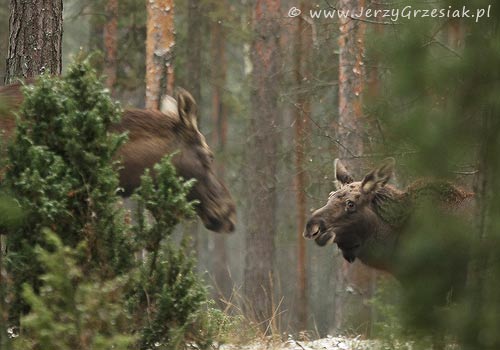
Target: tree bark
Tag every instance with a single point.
(160, 44)
(455, 34)
(111, 43)
(355, 282)
(302, 112)
(262, 160)
(484, 267)
(219, 138)
(35, 38)
(96, 23)
(4, 37)
(195, 32)
(193, 64)
(5, 342)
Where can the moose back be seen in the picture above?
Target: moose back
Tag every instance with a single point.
(152, 135)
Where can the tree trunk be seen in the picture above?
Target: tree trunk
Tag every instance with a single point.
(4, 37)
(484, 266)
(110, 43)
(96, 23)
(195, 34)
(195, 31)
(219, 138)
(4, 315)
(35, 47)
(302, 111)
(160, 44)
(355, 282)
(263, 146)
(35, 38)
(483, 301)
(455, 34)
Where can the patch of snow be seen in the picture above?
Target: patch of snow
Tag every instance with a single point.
(328, 343)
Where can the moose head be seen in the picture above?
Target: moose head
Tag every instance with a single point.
(152, 134)
(350, 217)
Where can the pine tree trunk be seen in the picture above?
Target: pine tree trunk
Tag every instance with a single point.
(302, 111)
(196, 24)
(484, 267)
(262, 160)
(110, 43)
(96, 23)
(484, 253)
(456, 34)
(4, 37)
(160, 44)
(4, 315)
(195, 34)
(35, 38)
(373, 73)
(355, 282)
(219, 138)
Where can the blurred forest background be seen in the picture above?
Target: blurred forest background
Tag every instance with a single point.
(280, 97)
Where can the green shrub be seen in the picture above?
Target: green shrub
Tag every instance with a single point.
(80, 286)
(169, 302)
(61, 171)
(72, 312)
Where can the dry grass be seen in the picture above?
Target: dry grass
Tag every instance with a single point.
(246, 327)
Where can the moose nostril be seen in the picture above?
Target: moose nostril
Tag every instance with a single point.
(213, 225)
(312, 230)
(231, 226)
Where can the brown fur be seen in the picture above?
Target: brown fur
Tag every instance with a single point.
(152, 135)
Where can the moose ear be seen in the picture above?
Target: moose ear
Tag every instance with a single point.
(187, 109)
(377, 178)
(341, 174)
(168, 105)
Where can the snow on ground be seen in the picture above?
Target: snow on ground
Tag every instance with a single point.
(328, 343)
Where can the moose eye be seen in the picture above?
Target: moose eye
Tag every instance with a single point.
(350, 206)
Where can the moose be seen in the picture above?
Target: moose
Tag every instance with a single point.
(386, 228)
(153, 134)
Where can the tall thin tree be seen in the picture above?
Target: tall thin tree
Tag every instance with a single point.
(354, 281)
(110, 43)
(35, 38)
(35, 47)
(301, 115)
(4, 35)
(160, 44)
(196, 23)
(262, 151)
(193, 57)
(219, 139)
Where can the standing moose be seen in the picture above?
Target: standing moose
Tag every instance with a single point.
(381, 225)
(420, 235)
(152, 135)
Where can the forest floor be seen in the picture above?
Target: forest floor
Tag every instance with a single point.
(328, 343)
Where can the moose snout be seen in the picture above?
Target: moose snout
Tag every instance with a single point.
(313, 228)
(218, 218)
(225, 225)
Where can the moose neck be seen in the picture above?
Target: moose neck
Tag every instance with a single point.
(393, 208)
(379, 251)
